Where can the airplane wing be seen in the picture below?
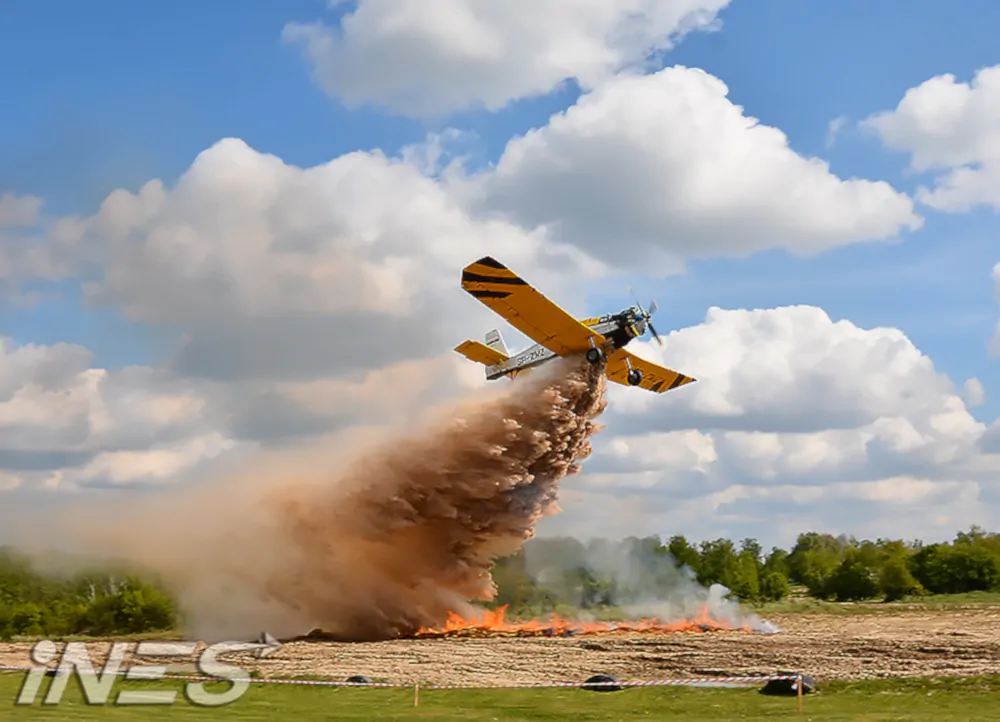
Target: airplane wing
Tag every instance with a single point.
(655, 378)
(526, 309)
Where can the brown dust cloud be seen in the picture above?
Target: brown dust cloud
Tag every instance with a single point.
(370, 547)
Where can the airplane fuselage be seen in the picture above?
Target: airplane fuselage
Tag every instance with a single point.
(618, 328)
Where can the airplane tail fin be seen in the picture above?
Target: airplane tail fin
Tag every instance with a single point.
(487, 355)
(495, 341)
(481, 353)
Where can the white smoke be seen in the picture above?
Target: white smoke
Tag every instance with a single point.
(642, 581)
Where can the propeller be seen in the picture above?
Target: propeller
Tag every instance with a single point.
(647, 315)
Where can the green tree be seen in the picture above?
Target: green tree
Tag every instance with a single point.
(973, 568)
(930, 567)
(6, 630)
(975, 536)
(717, 563)
(895, 579)
(856, 577)
(752, 549)
(774, 586)
(136, 607)
(814, 559)
(744, 581)
(683, 553)
(777, 561)
(968, 566)
(515, 587)
(27, 619)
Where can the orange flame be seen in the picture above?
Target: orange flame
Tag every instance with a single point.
(495, 623)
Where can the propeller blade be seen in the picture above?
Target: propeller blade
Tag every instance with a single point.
(655, 334)
(631, 292)
(652, 307)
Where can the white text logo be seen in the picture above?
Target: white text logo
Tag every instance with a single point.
(97, 684)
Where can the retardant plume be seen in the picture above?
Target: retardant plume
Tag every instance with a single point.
(371, 548)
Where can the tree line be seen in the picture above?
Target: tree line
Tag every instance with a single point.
(824, 566)
(36, 602)
(555, 574)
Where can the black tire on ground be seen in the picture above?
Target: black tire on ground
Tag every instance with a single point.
(359, 679)
(591, 683)
(787, 687)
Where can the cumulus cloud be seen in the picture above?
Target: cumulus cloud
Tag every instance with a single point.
(909, 508)
(32, 247)
(69, 424)
(277, 272)
(307, 301)
(707, 459)
(994, 345)
(974, 393)
(66, 423)
(323, 299)
(19, 210)
(790, 370)
(833, 130)
(951, 128)
(795, 418)
(273, 271)
(429, 57)
(666, 164)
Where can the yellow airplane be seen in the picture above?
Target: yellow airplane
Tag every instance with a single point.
(557, 333)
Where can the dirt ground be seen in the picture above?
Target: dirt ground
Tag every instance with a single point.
(856, 646)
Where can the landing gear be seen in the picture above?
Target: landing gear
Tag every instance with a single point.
(595, 355)
(634, 377)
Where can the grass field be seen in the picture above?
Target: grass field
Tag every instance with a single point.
(939, 699)
(966, 699)
(802, 604)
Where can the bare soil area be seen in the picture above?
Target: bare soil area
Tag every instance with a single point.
(942, 642)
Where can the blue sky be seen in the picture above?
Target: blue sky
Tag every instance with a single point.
(111, 99)
(102, 100)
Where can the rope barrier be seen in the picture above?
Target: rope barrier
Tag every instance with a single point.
(715, 682)
(744, 681)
